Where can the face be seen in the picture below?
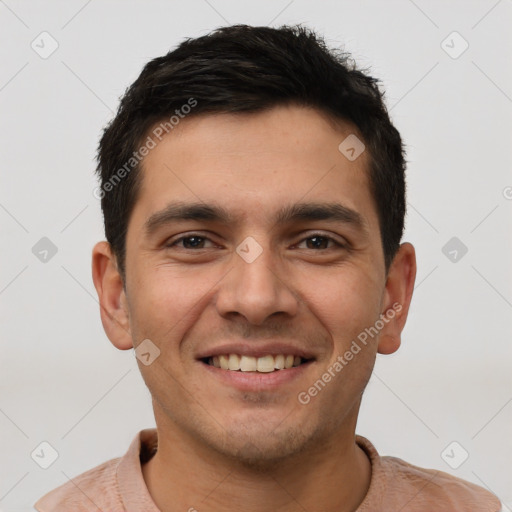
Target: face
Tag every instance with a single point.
(254, 241)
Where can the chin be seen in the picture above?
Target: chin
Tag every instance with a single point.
(262, 449)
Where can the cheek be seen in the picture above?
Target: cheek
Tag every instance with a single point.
(350, 303)
(166, 303)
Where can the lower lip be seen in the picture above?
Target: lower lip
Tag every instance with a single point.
(257, 381)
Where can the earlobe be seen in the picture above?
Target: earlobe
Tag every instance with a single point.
(397, 298)
(111, 295)
(388, 344)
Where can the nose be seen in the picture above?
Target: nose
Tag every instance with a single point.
(256, 289)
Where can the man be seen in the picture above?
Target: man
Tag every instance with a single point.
(253, 193)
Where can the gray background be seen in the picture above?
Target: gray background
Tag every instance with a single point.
(61, 379)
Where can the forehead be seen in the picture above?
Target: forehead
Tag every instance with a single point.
(254, 165)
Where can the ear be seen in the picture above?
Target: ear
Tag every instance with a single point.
(111, 294)
(397, 298)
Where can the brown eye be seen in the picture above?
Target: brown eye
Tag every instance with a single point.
(189, 242)
(193, 242)
(321, 242)
(318, 242)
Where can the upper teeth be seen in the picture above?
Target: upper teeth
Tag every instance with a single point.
(263, 364)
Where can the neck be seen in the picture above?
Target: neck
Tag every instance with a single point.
(184, 475)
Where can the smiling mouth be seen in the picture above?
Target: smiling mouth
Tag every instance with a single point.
(266, 364)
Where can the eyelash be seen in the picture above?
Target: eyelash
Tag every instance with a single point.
(314, 235)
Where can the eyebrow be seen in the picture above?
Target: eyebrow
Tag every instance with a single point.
(288, 214)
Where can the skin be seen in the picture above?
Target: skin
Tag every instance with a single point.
(259, 449)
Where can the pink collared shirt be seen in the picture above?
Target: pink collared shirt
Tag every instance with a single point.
(118, 486)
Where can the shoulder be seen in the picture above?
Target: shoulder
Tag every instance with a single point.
(423, 488)
(398, 485)
(95, 489)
